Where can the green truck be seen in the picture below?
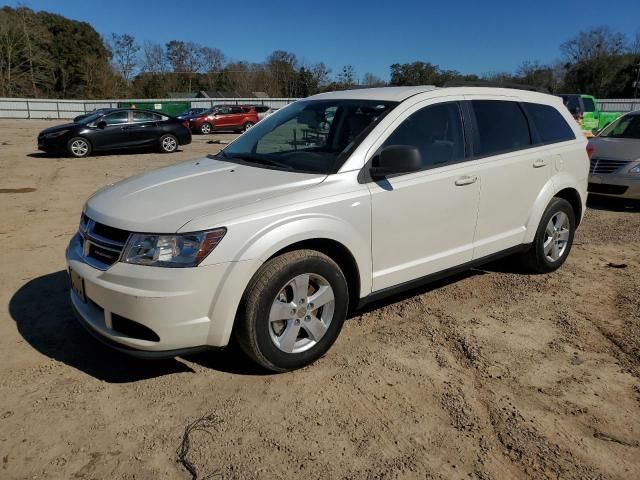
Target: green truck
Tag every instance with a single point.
(585, 109)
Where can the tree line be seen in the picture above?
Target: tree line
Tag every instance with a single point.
(47, 55)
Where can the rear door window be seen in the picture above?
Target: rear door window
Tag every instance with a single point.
(436, 131)
(139, 116)
(549, 123)
(501, 127)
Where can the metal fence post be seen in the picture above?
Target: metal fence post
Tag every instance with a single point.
(58, 109)
(28, 111)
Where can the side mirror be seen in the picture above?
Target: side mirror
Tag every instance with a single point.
(101, 124)
(396, 159)
(595, 131)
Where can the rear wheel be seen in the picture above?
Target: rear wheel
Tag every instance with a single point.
(79, 147)
(168, 143)
(247, 126)
(553, 239)
(205, 128)
(295, 306)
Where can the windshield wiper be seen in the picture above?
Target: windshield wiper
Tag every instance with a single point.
(253, 158)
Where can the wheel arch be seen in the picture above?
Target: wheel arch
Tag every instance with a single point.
(561, 188)
(340, 254)
(572, 196)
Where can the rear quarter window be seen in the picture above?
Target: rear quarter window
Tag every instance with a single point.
(549, 123)
(501, 127)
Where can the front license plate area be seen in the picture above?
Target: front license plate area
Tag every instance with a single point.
(77, 284)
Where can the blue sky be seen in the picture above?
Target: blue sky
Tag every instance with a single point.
(469, 36)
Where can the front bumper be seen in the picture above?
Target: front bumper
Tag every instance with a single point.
(187, 308)
(615, 185)
(53, 145)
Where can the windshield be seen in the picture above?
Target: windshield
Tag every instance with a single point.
(312, 136)
(625, 127)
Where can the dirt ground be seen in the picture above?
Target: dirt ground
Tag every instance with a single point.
(490, 375)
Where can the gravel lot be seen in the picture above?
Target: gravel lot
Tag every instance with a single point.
(491, 374)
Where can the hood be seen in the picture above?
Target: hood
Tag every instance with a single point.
(164, 200)
(616, 148)
(57, 128)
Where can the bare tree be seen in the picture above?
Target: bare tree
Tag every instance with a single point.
(211, 59)
(595, 43)
(371, 80)
(320, 74)
(282, 66)
(347, 77)
(125, 54)
(153, 58)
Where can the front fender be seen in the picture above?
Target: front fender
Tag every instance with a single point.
(276, 236)
(264, 243)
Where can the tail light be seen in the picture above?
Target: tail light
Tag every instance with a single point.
(589, 150)
(185, 123)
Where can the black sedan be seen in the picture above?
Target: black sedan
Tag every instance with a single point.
(120, 129)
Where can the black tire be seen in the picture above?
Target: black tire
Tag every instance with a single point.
(535, 259)
(247, 126)
(168, 143)
(254, 331)
(206, 128)
(79, 147)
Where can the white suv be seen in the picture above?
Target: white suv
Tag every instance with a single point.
(328, 203)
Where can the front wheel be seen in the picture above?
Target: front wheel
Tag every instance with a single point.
(79, 147)
(554, 238)
(168, 143)
(295, 306)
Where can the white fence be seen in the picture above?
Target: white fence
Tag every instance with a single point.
(32, 108)
(619, 104)
(64, 109)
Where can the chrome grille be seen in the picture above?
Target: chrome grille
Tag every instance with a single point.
(603, 165)
(101, 244)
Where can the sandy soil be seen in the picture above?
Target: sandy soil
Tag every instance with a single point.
(492, 374)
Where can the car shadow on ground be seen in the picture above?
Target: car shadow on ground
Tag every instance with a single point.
(509, 265)
(43, 316)
(106, 153)
(611, 204)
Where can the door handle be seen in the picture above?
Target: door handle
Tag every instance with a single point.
(541, 162)
(466, 180)
(124, 128)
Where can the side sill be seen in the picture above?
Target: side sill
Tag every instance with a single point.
(434, 277)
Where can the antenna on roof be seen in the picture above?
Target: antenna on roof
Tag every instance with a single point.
(485, 83)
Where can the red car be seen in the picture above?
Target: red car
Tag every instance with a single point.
(224, 117)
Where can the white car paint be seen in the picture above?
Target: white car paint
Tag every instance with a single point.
(397, 231)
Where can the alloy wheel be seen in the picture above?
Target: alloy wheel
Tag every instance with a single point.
(79, 147)
(169, 144)
(301, 313)
(556, 236)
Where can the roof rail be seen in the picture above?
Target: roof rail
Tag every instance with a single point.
(482, 83)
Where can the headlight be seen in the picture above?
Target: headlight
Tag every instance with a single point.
(635, 169)
(59, 133)
(184, 250)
